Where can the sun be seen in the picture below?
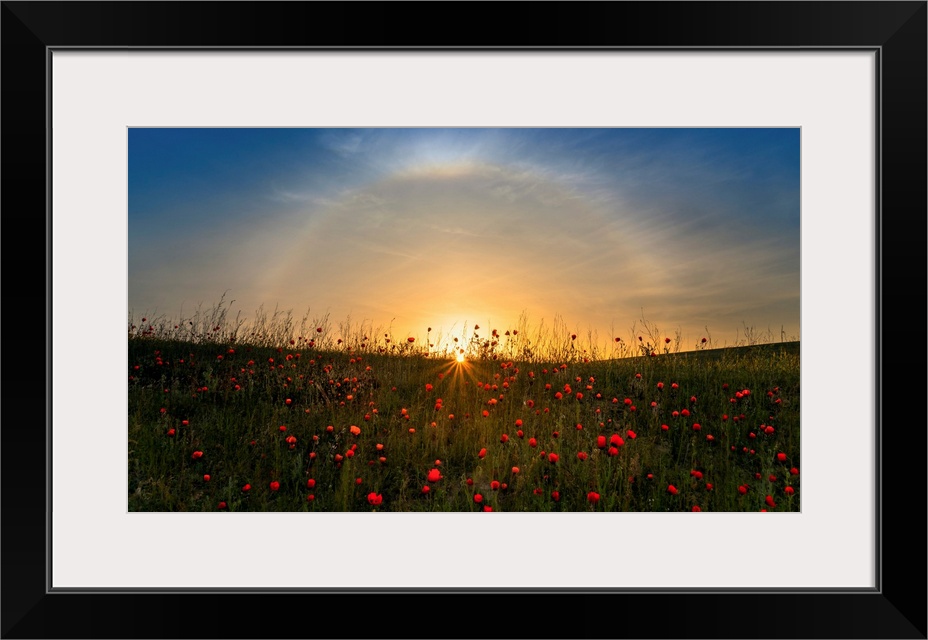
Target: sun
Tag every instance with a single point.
(459, 356)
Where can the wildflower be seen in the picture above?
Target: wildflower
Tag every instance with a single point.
(482, 454)
(478, 498)
(197, 455)
(434, 475)
(355, 431)
(781, 457)
(223, 505)
(275, 485)
(672, 490)
(374, 498)
(552, 458)
(770, 502)
(494, 485)
(581, 455)
(593, 497)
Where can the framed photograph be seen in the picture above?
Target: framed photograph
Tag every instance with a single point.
(81, 79)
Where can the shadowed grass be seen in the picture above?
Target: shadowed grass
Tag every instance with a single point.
(229, 396)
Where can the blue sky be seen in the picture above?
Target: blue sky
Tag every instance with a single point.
(410, 228)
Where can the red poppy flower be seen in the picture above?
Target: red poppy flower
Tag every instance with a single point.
(504, 438)
(247, 487)
(593, 497)
(434, 475)
(515, 470)
(781, 457)
(794, 471)
(672, 490)
(532, 442)
(275, 485)
(616, 440)
(631, 434)
(482, 454)
(425, 488)
(552, 458)
(696, 507)
(310, 483)
(478, 498)
(770, 502)
(171, 433)
(581, 455)
(556, 496)
(789, 491)
(742, 489)
(206, 477)
(374, 498)
(428, 387)
(410, 339)
(196, 455)
(223, 505)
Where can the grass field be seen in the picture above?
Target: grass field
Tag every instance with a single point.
(232, 423)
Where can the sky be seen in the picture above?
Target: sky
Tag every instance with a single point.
(590, 231)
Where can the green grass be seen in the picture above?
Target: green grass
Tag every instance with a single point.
(227, 400)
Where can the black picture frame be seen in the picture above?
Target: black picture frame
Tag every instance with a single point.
(895, 609)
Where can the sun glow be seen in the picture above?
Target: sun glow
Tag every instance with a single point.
(459, 356)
